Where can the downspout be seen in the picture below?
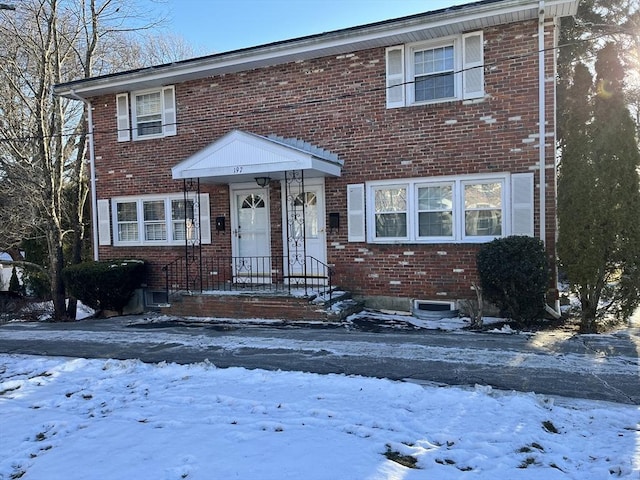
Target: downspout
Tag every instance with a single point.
(542, 103)
(92, 169)
(542, 99)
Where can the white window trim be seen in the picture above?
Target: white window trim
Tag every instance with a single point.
(167, 199)
(455, 228)
(410, 91)
(412, 185)
(406, 75)
(372, 201)
(166, 112)
(504, 207)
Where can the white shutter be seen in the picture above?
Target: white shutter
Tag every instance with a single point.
(122, 114)
(169, 111)
(473, 65)
(355, 213)
(395, 77)
(205, 219)
(104, 223)
(522, 208)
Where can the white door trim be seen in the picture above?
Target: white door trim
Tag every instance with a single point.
(246, 189)
(320, 251)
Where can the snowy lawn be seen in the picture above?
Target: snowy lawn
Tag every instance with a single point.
(105, 419)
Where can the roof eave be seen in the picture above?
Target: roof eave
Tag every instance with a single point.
(413, 28)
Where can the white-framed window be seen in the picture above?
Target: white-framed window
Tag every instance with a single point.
(446, 69)
(462, 209)
(160, 220)
(483, 208)
(147, 114)
(433, 73)
(152, 114)
(182, 218)
(390, 211)
(435, 210)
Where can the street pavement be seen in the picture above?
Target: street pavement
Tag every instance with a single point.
(596, 367)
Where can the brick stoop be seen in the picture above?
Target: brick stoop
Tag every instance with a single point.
(263, 305)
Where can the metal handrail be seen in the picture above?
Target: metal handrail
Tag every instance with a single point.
(248, 274)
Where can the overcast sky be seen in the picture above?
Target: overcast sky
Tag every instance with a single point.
(223, 25)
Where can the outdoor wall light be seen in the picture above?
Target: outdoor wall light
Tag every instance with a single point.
(263, 181)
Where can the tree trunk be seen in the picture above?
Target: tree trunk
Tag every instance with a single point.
(56, 263)
(588, 323)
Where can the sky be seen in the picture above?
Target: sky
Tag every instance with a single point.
(76, 419)
(223, 25)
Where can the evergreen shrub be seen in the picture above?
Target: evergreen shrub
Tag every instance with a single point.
(14, 283)
(514, 276)
(105, 285)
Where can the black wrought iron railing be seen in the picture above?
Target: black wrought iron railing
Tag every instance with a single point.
(306, 276)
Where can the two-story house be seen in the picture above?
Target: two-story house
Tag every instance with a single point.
(377, 158)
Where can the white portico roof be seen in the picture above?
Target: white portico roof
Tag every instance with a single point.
(241, 156)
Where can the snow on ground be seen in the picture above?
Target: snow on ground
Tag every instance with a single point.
(79, 419)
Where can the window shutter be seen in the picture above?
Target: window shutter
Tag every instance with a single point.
(104, 223)
(522, 208)
(205, 220)
(169, 111)
(122, 114)
(395, 77)
(355, 213)
(473, 65)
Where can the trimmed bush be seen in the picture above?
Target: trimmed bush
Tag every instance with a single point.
(514, 275)
(106, 285)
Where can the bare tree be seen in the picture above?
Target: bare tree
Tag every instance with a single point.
(43, 187)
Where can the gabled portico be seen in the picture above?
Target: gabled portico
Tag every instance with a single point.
(250, 165)
(241, 157)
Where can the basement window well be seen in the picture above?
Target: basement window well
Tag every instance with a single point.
(434, 310)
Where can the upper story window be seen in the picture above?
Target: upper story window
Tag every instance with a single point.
(152, 114)
(148, 113)
(447, 69)
(433, 73)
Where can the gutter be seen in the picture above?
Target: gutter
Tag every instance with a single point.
(479, 14)
(92, 169)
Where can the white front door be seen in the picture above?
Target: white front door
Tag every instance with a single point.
(305, 236)
(251, 241)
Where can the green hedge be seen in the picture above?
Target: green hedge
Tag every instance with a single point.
(514, 275)
(106, 285)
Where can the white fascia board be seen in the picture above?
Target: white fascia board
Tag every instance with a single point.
(227, 157)
(305, 48)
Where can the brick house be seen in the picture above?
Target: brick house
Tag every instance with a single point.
(375, 158)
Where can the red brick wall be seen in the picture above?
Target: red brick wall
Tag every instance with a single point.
(338, 103)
